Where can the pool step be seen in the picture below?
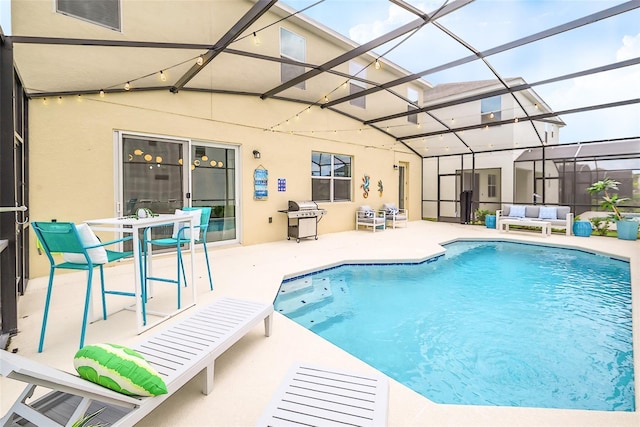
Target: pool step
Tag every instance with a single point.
(312, 302)
(302, 295)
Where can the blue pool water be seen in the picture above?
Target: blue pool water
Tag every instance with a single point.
(488, 323)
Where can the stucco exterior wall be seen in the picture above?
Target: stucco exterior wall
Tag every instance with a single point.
(73, 156)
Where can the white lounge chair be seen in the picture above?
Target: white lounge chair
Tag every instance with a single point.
(178, 353)
(367, 217)
(317, 396)
(395, 217)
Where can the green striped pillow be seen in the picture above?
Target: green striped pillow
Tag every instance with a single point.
(118, 368)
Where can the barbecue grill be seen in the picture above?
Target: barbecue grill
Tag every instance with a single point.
(302, 219)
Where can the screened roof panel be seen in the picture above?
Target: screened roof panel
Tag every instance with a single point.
(582, 151)
(546, 51)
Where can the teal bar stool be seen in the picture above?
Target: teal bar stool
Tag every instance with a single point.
(179, 238)
(81, 250)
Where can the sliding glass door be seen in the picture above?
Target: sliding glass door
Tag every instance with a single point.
(213, 173)
(165, 174)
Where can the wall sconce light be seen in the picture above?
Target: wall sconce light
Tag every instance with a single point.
(256, 154)
(395, 167)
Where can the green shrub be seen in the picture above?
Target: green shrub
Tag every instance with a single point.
(481, 214)
(601, 224)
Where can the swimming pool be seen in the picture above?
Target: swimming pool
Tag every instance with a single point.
(488, 323)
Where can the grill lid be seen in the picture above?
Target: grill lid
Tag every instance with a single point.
(302, 206)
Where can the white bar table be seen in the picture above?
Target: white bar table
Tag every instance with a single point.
(133, 226)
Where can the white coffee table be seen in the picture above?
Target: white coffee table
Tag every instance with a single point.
(545, 226)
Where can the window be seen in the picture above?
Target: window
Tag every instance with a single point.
(330, 177)
(490, 109)
(101, 12)
(356, 86)
(492, 185)
(412, 95)
(292, 46)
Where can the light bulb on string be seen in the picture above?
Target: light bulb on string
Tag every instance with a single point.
(256, 39)
(101, 93)
(377, 65)
(163, 76)
(200, 60)
(127, 86)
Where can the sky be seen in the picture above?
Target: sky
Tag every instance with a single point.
(486, 24)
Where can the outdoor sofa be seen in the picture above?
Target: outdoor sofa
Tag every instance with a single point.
(558, 216)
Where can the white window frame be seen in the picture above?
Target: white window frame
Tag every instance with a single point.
(331, 178)
(88, 19)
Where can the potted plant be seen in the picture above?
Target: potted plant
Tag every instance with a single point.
(627, 229)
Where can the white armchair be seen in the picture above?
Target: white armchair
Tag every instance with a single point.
(367, 217)
(394, 216)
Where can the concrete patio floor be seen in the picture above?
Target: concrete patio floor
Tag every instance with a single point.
(248, 374)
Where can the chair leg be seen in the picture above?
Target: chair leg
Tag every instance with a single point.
(184, 272)
(206, 256)
(104, 300)
(46, 310)
(179, 256)
(87, 301)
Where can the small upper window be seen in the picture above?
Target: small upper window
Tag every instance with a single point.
(355, 86)
(101, 12)
(292, 46)
(412, 95)
(490, 109)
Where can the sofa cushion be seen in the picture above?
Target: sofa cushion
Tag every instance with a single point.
(532, 211)
(517, 211)
(548, 212)
(562, 211)
(88, 238)
(365, 211)
(182, 229)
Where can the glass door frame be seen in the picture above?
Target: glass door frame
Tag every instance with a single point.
(187, 143)
(119, 159)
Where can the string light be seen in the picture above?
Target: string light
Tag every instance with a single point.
(101, 93)
(516, 120)
(59, 100)
(163, 76)
(200, 60)
(44, 101)
(326, 98)
(377, 65)
(256, 39)
(127, 86)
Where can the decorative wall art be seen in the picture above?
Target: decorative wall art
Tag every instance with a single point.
(260, 181)
(365, 186)
(282, 184)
